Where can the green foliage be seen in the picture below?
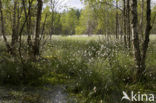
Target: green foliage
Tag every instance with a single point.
(85, 18)
(57, 24)
(12, 71)
(69, 21)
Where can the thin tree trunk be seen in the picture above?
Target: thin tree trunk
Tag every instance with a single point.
(124, 23)
(128, 24)
(37, 38)
(29, 41)
(142, 20)
(20, 35)
(43, 28)
(3, 29)
(136, 37)
(29, 23)
(117, 20)
(14, 28)
(147, 34)
(53, 17)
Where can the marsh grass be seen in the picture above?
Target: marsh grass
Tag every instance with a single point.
(93, 69)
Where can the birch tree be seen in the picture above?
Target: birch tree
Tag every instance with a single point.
(37, 34)
(140, 54)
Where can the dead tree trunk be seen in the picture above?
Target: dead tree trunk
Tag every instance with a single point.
(37, 34)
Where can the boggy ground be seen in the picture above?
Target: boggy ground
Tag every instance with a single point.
(76, 69)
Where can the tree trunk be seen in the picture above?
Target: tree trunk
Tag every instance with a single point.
(117, 20)
(3, 29)
(128, 24)
(147, 34)
(136, 37)
(14, 28)
(43, 27)
(142, 20)
(28, 21)
(37, 38)
(52, 17)
(29, 25)
(124, 23)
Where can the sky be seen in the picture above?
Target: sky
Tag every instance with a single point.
(77, 3)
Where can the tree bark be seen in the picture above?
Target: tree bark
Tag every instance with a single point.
(117, 20)
(124, 23)
(28, 15)
(37, 37)
(136, 37)
(29, 41)
(43, 28)
(18, 18)
(128, 24)
(142, 20)
(3, 29)
(147, 34)
(140, 55)
(14, 28)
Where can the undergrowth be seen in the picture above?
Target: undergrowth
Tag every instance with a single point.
(92, 70)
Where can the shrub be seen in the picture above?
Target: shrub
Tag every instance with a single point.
(13, 72)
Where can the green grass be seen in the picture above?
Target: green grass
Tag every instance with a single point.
(97, 63)
(92, 68)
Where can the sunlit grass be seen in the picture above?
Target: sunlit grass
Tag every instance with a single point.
(153, 36)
